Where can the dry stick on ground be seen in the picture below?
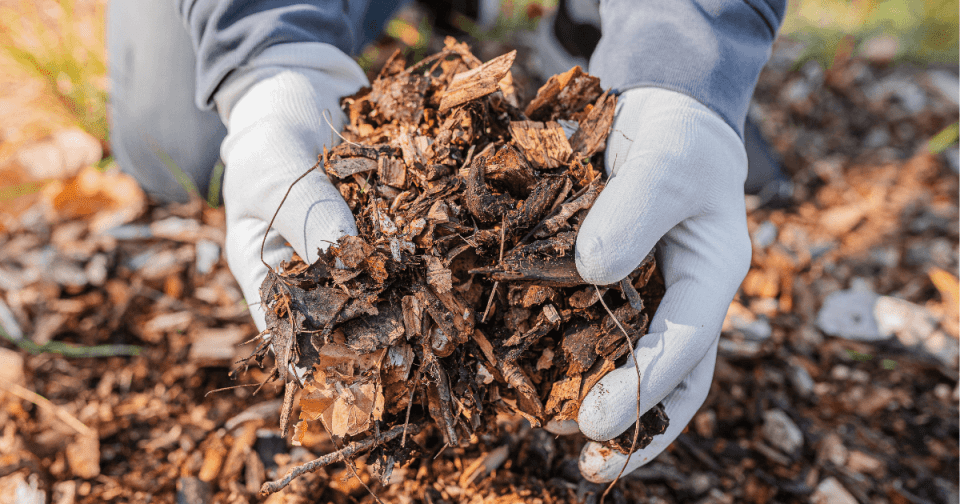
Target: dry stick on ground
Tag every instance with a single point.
(347, 451)
(43, 402)
(636, 431)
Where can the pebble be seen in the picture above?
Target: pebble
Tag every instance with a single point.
(863, 463)
(698, 484)
(61, 156)
(130, 232)
(716, 497)
(880, 49)
(942, 392)
(888, 257)
(947, 83)
(812, 70)
(840, 372)
(743, 320)
(780, 431)
(859, 376)
(214, 344)
(952, 156)
(8, 323)
(83, 456)
(811, 336)
(20, 489)
(832, 450)
(64, 492)
(943, 347)
(208, 253)
(739, 347)
(911, 322)
(801, 380)
(176, 228)
(797, 92)
(878, 137)
(192, 491)
(96, 270)
(11, 366)
(849, 314)
(765, 234)
(830, 491)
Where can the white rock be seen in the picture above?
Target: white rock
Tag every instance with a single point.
(765, 234)
(911, 323)
(780, 431)
(801, 380)
(830, 491)
(947, 83)
(42, 160)
(78, 148)
(849, 314)
(61, 156)
(17, 488)
(208, 253)
(881, 49)
(8, 323)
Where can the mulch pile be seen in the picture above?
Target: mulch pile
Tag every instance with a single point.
(460, 297)
(119, 316)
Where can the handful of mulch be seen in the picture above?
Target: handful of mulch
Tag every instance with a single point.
(460, 296)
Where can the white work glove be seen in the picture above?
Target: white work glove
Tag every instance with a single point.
(676, 181)
(275, 131)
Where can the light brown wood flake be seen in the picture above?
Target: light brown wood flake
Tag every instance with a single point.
(478, 82)
(544, 144)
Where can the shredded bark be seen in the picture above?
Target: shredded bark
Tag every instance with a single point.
(463, 270)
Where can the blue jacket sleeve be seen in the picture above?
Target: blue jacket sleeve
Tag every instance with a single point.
(227, 34)
(712, 50)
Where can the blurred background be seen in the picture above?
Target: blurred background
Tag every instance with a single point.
(837, 379)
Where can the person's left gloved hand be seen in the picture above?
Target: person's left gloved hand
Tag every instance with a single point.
(275, 131)
(676, 180)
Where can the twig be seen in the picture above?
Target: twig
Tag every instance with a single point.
(442, 54)
(413, 390)
(334, 130)
(443, 390)
(353, 469)
(347, 451)
(636, 365)
(493, 292)
(43, 402)
(289, 391)
(263, 244)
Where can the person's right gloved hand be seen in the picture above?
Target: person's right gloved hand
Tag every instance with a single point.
(274, 112)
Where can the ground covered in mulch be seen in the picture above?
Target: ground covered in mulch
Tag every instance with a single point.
(836, 379)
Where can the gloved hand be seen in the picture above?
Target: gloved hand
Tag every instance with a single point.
(275, 131)
(676, 178)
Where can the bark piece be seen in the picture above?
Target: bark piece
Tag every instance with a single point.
(564, 94)
(478, 82)
(544, 144)
(592, 135)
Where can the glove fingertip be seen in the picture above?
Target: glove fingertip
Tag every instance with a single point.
(592, 259)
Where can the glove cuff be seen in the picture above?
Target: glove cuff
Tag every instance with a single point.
(325, 66)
